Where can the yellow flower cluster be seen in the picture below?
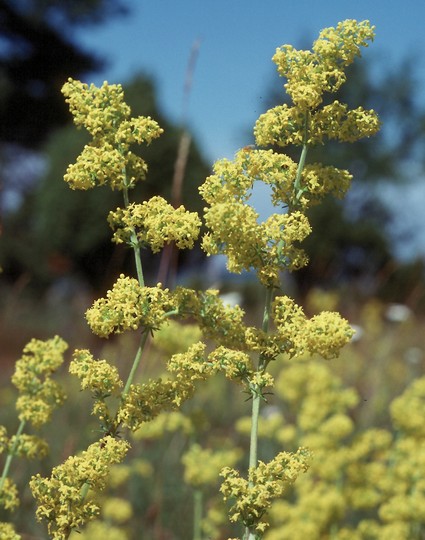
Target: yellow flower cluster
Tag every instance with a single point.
(267, 247)
(7, 532)
(324, 334)
(105, 115)
(190, 366)
(39, 394)
(310, 74)
(174, 337)
(29, 446)
(97, 375)
(60, 498)
(265, 483)
(98, 530)
(360, 485)
(102, 379)
(407, 410)
(4, 440)
(166, 422)
(102, 165)
(128, 306)
(9, 499)
(233, 227)
(203, 465)
(321, 180)
(117, 510)
(403, 487)
(236, 365)
(327, 333)
(156, 223)
(146, 401)
(218, 321)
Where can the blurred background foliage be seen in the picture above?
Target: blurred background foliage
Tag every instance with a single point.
(56, 253)
(55, 243)
(37, 55)
(57, 231)
(386, 355)
(48, 230)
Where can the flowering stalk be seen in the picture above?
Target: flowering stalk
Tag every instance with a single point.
(197, 514)
(38, 396)
(134, 244)
(271, 247)
(136, 362)
(256, 395)
(129, 305)
(233, 229)
(11, 454)
(256, 402)
(262, 364)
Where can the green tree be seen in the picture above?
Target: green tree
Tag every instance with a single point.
(37, 55)
(57, 230)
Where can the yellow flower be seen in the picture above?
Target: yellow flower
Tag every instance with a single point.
(128, 306)
(155, 223)
(7, 532)
(117, 509)
(9, 499)
(267, 482)
(203, 465)
(59, 497)
(105, 115)
(39, 394)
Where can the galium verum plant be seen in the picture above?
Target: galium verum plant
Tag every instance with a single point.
(68, 498)
(38, 396)
(271, 247)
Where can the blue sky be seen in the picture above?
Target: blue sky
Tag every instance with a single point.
(234, 67)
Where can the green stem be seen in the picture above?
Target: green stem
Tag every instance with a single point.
(11, 454)
(135, 244)
(197, 514)
(256, 401)
(297, 184)
(139, 353)
(256, 397)
(137, 260)
(136, 362)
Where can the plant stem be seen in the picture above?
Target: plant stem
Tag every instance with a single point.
(299, 191)
(297, 184)
(256, 400)
(137, 259)
(136, 362)
(11, 454)
(262, 362)
(135, 244)
(197, 514)
(86, 486)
